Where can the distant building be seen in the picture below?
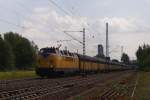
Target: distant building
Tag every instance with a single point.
(100, 51)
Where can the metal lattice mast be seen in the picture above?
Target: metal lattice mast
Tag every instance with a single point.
(83, 43)
(84, 52)
(84, 49)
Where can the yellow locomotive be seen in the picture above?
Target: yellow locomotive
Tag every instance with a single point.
(52, 61)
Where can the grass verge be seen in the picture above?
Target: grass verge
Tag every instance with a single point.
(143, 87)
(16, 75)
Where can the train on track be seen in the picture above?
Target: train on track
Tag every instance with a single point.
(52, 61)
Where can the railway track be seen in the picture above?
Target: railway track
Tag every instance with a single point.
(56, 89)
(41, 90)
(108, 91)
(111, 94)
(115, 94)
(15, 84)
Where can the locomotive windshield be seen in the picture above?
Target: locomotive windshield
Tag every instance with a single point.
(48, 50)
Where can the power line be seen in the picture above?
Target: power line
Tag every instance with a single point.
(51, 1)
(29, 10)
(72, 31)
(67, 13)
(17, 25)
(73, 36)
(70, 13)
(14, 24)
(81, 16)
(23, 6)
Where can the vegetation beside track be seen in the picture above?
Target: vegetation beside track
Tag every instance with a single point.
(142, 91)
(17, 52)
(16, 75)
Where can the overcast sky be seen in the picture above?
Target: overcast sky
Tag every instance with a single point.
(43, 22)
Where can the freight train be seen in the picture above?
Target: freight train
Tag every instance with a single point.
(52, 61)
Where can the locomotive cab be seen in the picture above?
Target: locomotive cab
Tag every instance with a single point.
(52, 61)
(46, 61)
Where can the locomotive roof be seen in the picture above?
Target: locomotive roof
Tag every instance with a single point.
(101, 60)
(89, 58)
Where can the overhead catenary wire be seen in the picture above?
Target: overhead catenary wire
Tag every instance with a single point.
(57, 7)
(73, 37)
(51, 1)
(69, 13)
(24, 27)
(10, 23)
(15, 24)
(24, 7)
(89, 29)
(72, 45)
(30, 10)
(88, 24)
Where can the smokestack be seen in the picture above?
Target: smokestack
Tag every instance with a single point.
(107, 44)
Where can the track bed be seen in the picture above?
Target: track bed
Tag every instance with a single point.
(59, 88)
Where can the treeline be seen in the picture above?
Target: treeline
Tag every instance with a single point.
(16, 52)
(143, 57)
(125, 58)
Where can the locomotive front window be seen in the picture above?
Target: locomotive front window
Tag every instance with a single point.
(48, 50)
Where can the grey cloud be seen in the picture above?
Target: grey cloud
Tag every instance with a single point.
(47, 27)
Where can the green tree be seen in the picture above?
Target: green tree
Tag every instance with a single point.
(2, 65)
(6, 55)
(143, 57)
(24, 50)
(125, 58)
